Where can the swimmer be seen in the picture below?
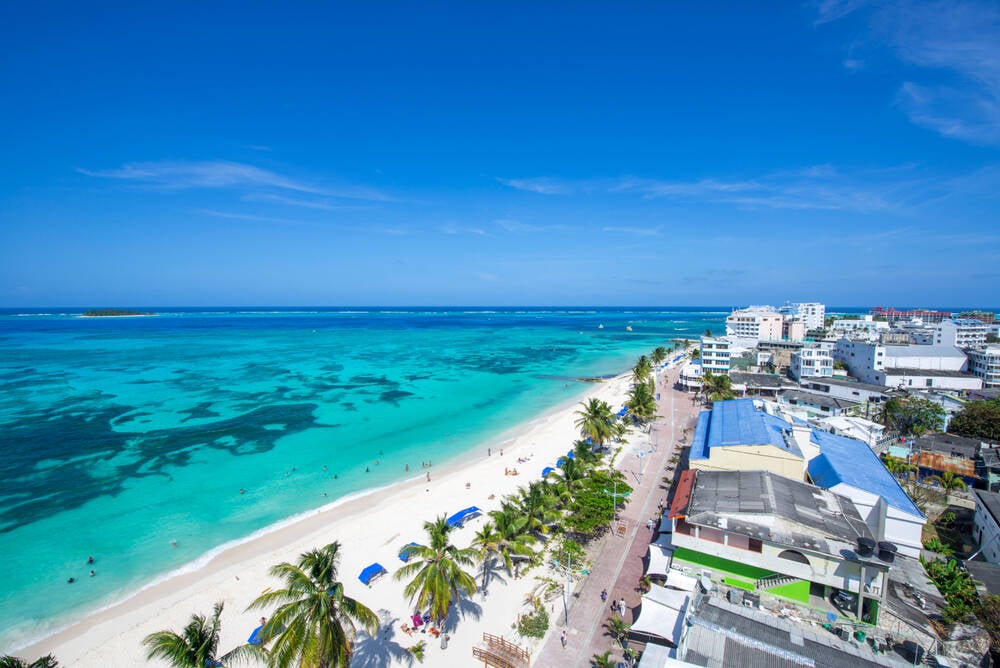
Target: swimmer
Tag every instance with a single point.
(90, 560)
(173, 543)
(406, 468)
(367, 470)
(70, 580)
(242, 491)
(92, 573)
(324, 468)
(335, 476)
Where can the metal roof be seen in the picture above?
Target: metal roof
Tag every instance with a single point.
(779, 510)
(932, 373)
(949, 444)
(817, 399)
(740, 423)
(854, 384)
(851, 462)
(990, 501)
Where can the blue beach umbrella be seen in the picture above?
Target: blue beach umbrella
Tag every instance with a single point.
(462, 515)
(560, 462)
(371, 572)
(571, 454)
(255, 637)
(404, 554)
(547, 470)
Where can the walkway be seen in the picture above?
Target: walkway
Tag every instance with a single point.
(618, 564)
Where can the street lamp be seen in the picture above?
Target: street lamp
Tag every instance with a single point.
(641, 454)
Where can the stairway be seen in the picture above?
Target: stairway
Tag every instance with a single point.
(772, 581)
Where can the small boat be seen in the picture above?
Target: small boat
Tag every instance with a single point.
(628, 328)
(601, 326)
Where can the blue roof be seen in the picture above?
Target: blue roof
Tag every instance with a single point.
(372, 572)
(739, 422)
(699, 444)
(462, 515)
(852, 462)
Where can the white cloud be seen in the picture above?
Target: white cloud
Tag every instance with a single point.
(542, 186)
(222, 175)
(638, 231)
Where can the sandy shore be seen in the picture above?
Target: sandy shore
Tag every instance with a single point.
(371, 528)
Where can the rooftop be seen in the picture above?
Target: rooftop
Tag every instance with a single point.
(933, 373)
(779, 510)
(817, 399)
(985, 573)
(739, 423)
(949, 444)
(768, 380)
(990, 501)
(854, 384)
(851, 462)
(722, 634)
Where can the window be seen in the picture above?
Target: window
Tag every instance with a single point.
(930, 382)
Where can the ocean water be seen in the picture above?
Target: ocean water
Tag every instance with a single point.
(148, 442)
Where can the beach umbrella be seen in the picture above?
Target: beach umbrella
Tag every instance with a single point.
(255, 637)
(404, 554)
(371, 572)
(560, 462)
(547, 470)
(462, 515)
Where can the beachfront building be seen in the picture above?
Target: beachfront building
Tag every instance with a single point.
(961, 332)
(986, 524)
(751, 434)
(793, 329)
(754, 324)
(773, 534)
(849, 467)
(715, 355)
(923, 315)
(812, 361)
(689, 378)
(938, 379)
(985, 363)
(739, 435)
(811, 314)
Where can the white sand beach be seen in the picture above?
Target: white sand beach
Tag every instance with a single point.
(371, 528)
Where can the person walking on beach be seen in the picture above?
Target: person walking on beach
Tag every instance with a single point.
(562, 638)
(604, 595)
(621, 607)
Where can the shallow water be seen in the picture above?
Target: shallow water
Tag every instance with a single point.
(146, 442)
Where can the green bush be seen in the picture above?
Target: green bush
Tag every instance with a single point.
(534, 625)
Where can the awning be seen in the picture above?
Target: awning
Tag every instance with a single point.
(658, 620)
(371, 572)
(659, 561)
(660, 656)
(458, 518)
(670, 598)
(679, 580)
(404, 554)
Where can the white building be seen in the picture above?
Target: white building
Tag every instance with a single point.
(715, 353)
(754, 324)
(857, 428)
(961, 332)
(985, 363)
(813, 314)
(986, 527)
(868, 361)
(811, 362)
(866, 329)
(927, 379)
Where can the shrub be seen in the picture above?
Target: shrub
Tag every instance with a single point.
(534, 625)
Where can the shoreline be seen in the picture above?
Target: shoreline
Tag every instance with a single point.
(232, 570)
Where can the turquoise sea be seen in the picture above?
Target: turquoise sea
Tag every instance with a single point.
(122, 436)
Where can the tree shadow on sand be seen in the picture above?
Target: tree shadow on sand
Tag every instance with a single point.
(464, 607)
(490, 570)
(389, 645)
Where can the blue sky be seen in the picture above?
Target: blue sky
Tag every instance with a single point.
(331, 153)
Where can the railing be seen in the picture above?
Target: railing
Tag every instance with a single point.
(495, 651)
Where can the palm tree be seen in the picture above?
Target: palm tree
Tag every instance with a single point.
(659, 354)
(315, 623)
(602, 660)
(717, 387)
(504, 537)
(695, 354)
(47, 661)
(641, 370)
(585, 452)
(573, 472)
(594, 421)
(196, 646)
(898, 466)
(536, 505)
(642, 402)
(948, 481)
(438, 578)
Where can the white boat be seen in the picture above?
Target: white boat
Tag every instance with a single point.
(628, 328)
(601, 326)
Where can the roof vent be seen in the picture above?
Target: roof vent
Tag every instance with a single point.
(886, 551)
(866, 546)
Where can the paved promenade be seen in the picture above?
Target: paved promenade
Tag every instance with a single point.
(618, 564)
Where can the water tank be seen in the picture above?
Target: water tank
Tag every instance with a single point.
(886, 551)
(866, 546)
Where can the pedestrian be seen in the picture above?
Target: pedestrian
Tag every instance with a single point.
(604, 595)
(444, 640)
(621, 606)
(489, 452)
(562, 638)
(650, 523)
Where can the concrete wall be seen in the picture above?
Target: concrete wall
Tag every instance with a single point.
(753, 458)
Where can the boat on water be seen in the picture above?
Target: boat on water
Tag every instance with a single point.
(601, 326)
(628, 328)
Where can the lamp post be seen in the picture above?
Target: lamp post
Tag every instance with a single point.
(641, 454)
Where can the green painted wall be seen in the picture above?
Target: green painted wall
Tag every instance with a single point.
(796, 591)
(742, 584)
(720, 564)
